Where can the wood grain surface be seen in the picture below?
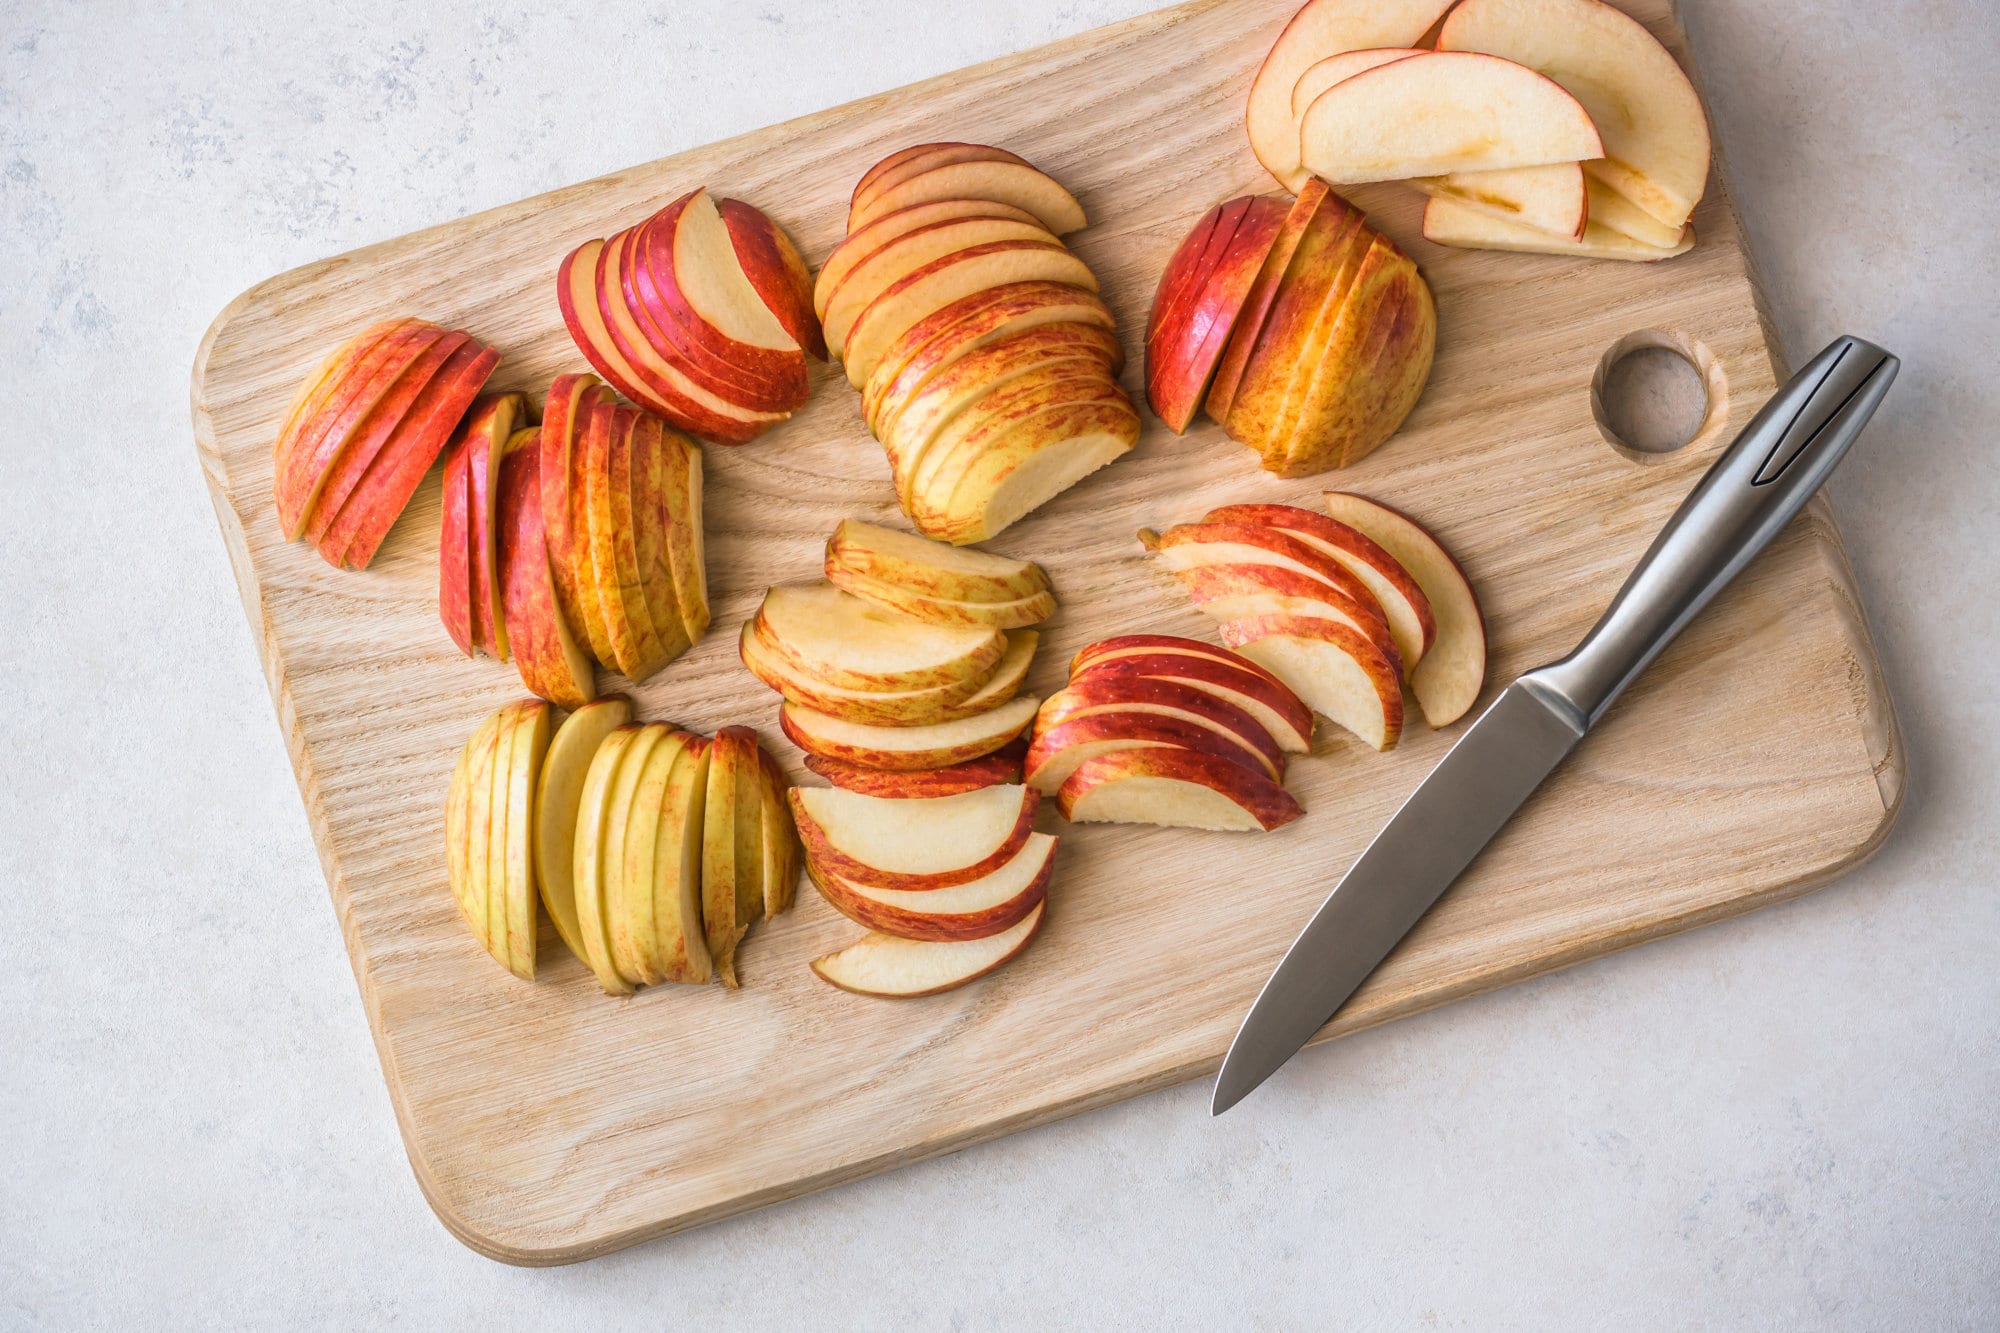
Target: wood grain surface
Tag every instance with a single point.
(547, 1123)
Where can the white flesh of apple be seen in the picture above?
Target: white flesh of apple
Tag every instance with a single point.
(1140, 798)
(819, 625)
(916, 837)
(1329, 679)
(884, 965)
(1449, 223)
(877, 552)
(995, 889)
(1614, 212)
(1552, 199)
(708, 272)
(997, 726)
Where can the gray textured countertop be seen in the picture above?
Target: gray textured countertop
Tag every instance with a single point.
(1784, 1121)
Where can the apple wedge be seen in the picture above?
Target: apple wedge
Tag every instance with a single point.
(628, 883)
(948, 279)
(311, 444)
(992, 770)
(1003, 182)
(468, 813)
(898, 258)
(455, 552)
(1449, 223)
(558, 799)
(1241, 592)
(546, 652)
(859, 245)
(1033, 463)
(893, 968)
(906, 748)
(1320, 29)
(1614, 212)
(1060, 750)
(941, 611)
(928, 568)
(527, 736)
(484, 437)
(1447, 682)
(1174, 789)
(1194, 545)
(589, 860)
(772, 264)
(915, 845)
(678, 851)
(1551, 199)
(1241, 683)
(1188, 338)
(1656, 141)
(564, 411)
(780, 840)
(1344, 678)
(838, 638)
(1103, 693)
(900, 166)
(972, 911)
(732, 884)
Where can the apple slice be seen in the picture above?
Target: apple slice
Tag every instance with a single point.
(558, 799)
(455, 552)
(772, 264)
(1322, 75)
(1097, 694)
(992, 770)
(1014, 183)
(1242, 683)
(914, 845)
(1128, 645)
(484, 436)
(657, 328)
(1656, 141)
(906, 748)
(1314, 198)
(899, 167)
(1394, 589)
(1480, 113)
(965, 325)
(1241, 592)
(940, 455)
(1339, 673)
(903, 255)
(1320, 29)
(883, 965)
(551, 662)
(928, 568)
(1614, 212)
(653, 469)
(732, 886)
(1192, 336)
(306, 454)
(677, 860)
(467, 814)
(1060, 750)
(906, 426)
(1034, 462)
(1193, 545)
(943, 611)
(844, 641)
(971, 911)
(1189, 267)
(527, 737)
(780, 840)
(948, 279)
(859, 245)
(1551, 199)
(305, 417)
(628, 883)
(1449, 223)
(570, 400)
(893, 708)
(1174, 789)
(1447, 682)
(686, 542)
(711, 293)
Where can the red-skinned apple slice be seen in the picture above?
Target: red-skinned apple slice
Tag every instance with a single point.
(1447, 682)
(654, 469)
(897, 258)
(686, 544)
(781, 840)
(1014, 183)
(551, 662)
(1128, 645)
(900, 844)
(997, 769)
(906, 748)
(989, 379)
(1177, 278)
(455, 552)
(567, 407)
(1218, 227)
(1338, 672)
(1036, 461)
(599, 454)
(1313, 198)
(1239, 592)
(898, 708)
(891, 968)
(859, 245)
(486, 432)
(1189, 545)
(303, 417)
(663, 335)
(306, 457)
(373, 433)
(1242, 683)
(772, 264)
(691, 256)
(944, 611)
(1180, 367)
(1175, 789)
(899, 167)
(1102, 693)
(1060, 750)
(972, 911)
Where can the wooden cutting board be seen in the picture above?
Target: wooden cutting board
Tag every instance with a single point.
(547, 1123)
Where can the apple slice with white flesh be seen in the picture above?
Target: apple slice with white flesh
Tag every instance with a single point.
(570, 400)
(1453, 224)
(546, 652)
(772, 264)
(528, 737)
(898, 167)
(1480, 113)
(1240, 592)
(661, 872)
(914, 845)
(732, 867)
(893, 968)
(858, 245)
(906, 748)
(888, 708)
(990, 770)
(905, 427)
(842, 640)
(941, 611)
(588, 861)
(455, 551)
(1031, 464)
(484, 437)
(468, 812)
(1320, 29)
(1321, 76)
(727, 313)
(931, 569)
(628, 882)
(1175, 789)
(1004, 182)
(1094, 694)
(971, 911)
(1447, 682)
(1192, 545)
(1248, 686)
(1656, 140)
(1061, 749)
(1553, 199)
(902, 256)
(558, 797)
(1614, 212)
(1344, 678)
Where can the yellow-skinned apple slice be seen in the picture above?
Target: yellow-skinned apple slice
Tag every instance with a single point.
(1320, 29)
(1240, 592)
(844, 641)
(635, 494)
(662, 325)
(892, 968)
(1098, 694)
(1447, 682)
(455, 552)
(594, 483)
(1395, 590)
(921, 461)
(899, 257)
(1242, 683)
(558, 801)
(1060, 750)
(985, 316)
(971, 911)
(944, 611)
(732, 886)
(306, 455)
(497, 808)
(906, 425)
(1314, 198)
(1194, 544)
(1656, 141)
(589, 862)
(528, 738)
(948, 279)
(1344, 678)
(655, 467)
(1188, 338)
(681, 493)
(304, 416)
(677, 857)
(488, 429)
(906, 748)
(928, 568)
(565, 525)
(1481, 113)
(897, 708)
(467, 812)
(913, 845)
(1036, 461)
(1014, 183)
(633, 889)
(1453, 224)
(859, 245)
(899, 167)
(546, 652)
(780, 840)
(772, 264)
(1175, 789)
(372, 433)
(992, 770)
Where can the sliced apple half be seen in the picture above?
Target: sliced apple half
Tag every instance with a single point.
(1480, 113)
(1188, 336)
(546, 652)
(1003, 182)
(1551, 199)
(773, 265)
(931, 569)
(1242, 683)
(1343, 676)
(893, 968)
(1450, 223)
(915, 845)
(1447, 682)
(970, 911)
(845, 641)
(1175, 789)
(906, 748)
(558, 801)
(992, 770)
(1099, 694)
(899, 167)
(1061, 749)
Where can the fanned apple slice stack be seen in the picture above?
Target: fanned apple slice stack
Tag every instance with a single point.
(1156, 729)
(1337, 606)
(653, 849)
(987, 364)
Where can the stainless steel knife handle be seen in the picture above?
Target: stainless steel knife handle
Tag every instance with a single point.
(1758, 485)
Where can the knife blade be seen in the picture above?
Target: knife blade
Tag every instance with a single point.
(1758, 485)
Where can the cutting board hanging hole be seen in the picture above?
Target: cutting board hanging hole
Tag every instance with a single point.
(1656, 392)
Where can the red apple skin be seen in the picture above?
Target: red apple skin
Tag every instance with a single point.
(911, 762)
(993, 770)
(318, 388)
(1133, 731)
(1207, 584)
(319, 441)
(1200, 264)
(455, 553)
(773, 265)
(1181, 364)
(821, 969)
(375, 430)
(1293, 720)
(1312, 199)
(1177, 278)
(483, 437)
(1323, 566)
(364, 522)
(570, 400)
(663, 336)
(1320, 530)
(909, 925)
(528, 594)
(662, 252)
(822, 857)
(1380, 670)
(1095, 694)
(1156, 643)
(1269, 803)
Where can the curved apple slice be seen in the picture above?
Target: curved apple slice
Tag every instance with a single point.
(906, 748)
(1060, 750)
(1447, 222)
(780, 842)
(992, 770)
(1175, 789)
(692, 257)
(1188, 337)
(590, 859)
(882, 965)
(1241, 592)
(951, 573)
(1125, 645)
(857, 246)
(1242, 683)
(732, 865)
(1551, 199)
(1104, 694)
(920, 458)
(662, 328)
(915, 845)
(971, 911)
(844, 641)
(946, 611)
(1447, 682)
(899, 167)
(1014, 183)
(891, 708)
(1322, 75)
(901, 256)
(1192, 545)
(1314, 198)
(467, 819)
(1339, 673)
(373, 432)
(905, 424)
(558, 797)
(455, 553)
(570, 399)
(773, 265)
(551, 662)
(1026, 467)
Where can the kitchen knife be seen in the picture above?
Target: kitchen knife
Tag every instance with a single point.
(1755, 488)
